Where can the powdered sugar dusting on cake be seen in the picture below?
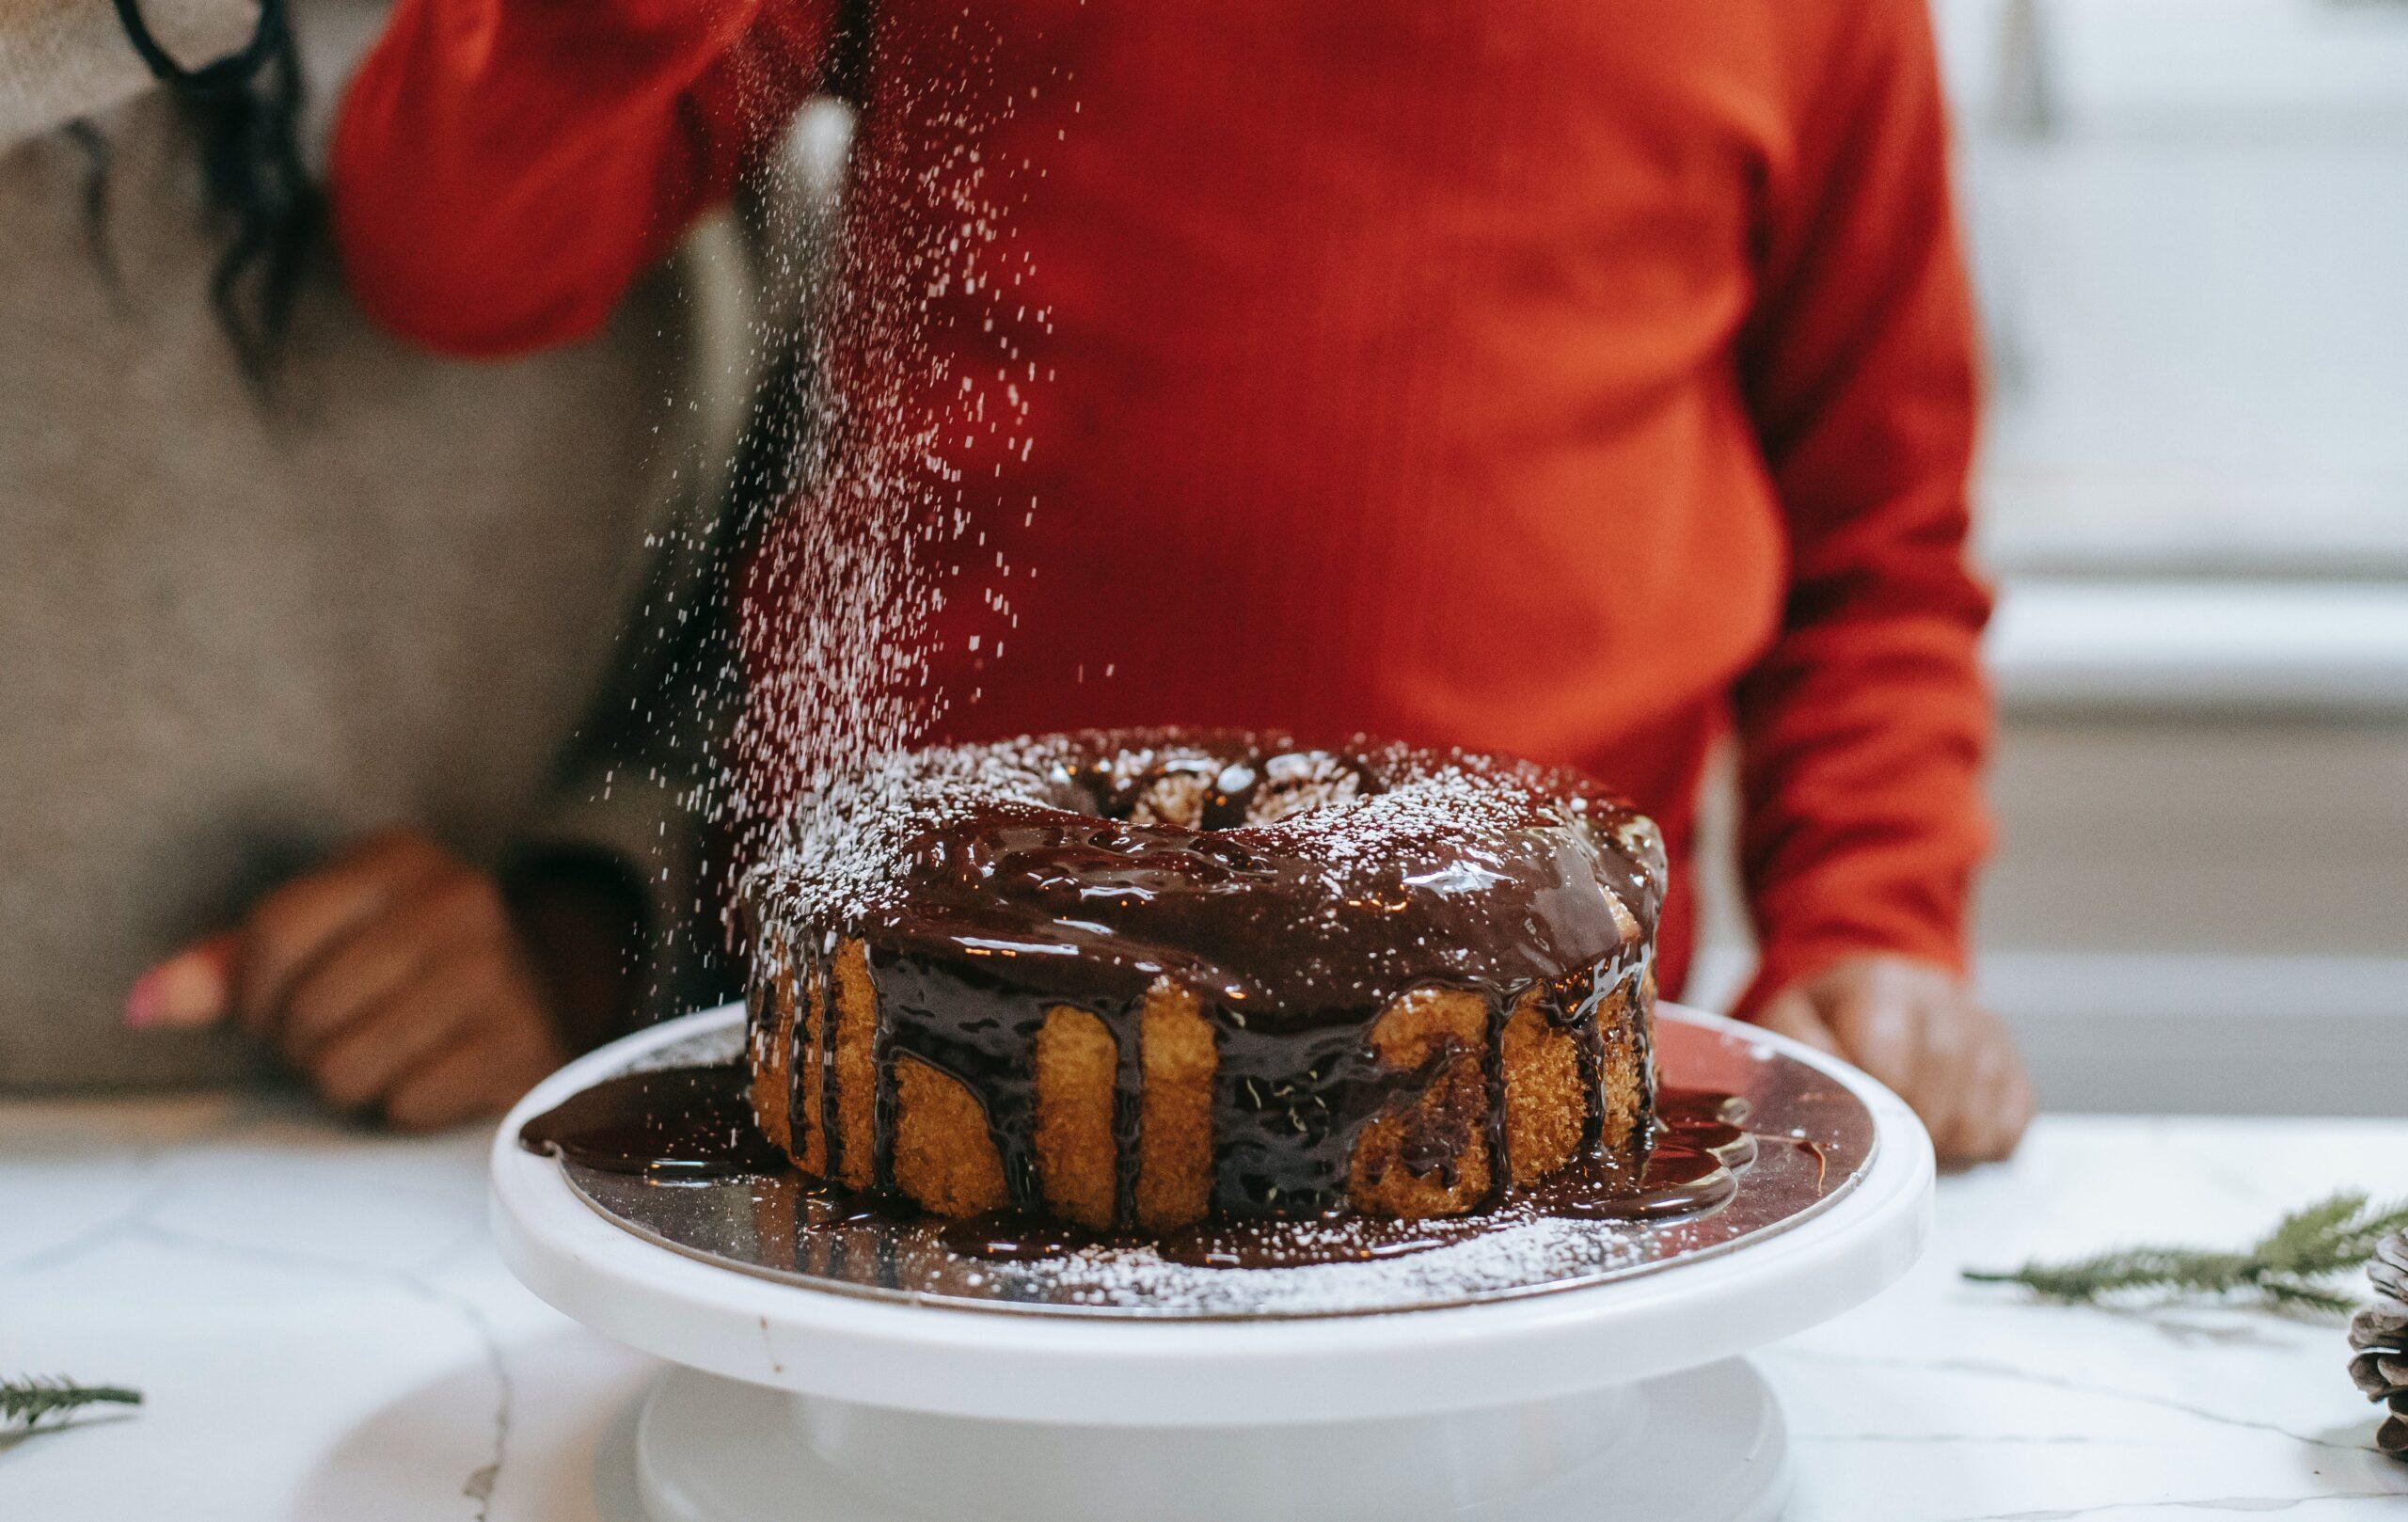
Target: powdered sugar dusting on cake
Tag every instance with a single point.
(845, 851)
(1502, 1248)
(1384, 865)
(1445, 808)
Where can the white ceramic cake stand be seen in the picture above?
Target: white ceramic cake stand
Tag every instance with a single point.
(1624, 1401)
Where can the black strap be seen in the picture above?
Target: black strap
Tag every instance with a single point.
(218, 77)
(245, 109)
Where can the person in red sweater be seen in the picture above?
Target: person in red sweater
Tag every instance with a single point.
(1592, 382)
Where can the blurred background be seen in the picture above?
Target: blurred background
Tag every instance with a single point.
(2189, 224)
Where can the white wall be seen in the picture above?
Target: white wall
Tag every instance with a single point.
(2190, 223)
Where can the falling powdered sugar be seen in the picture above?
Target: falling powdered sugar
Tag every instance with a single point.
(801, 605)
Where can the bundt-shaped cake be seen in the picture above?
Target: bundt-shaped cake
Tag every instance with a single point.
(1146, 978)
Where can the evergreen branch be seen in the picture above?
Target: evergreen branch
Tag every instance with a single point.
(2289, 1295)
(2281, 1270)
(29, 1401)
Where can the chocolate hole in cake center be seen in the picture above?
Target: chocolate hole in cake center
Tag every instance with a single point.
(1209, 795)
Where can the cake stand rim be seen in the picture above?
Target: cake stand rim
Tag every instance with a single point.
(1143, 1371)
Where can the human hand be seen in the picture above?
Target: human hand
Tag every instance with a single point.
(1918, 1029)
(392, 976)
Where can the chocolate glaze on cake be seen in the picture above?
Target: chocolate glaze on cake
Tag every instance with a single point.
(1305, 907)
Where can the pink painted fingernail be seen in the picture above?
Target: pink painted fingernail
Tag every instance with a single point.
(142, 1000)
(188, 989)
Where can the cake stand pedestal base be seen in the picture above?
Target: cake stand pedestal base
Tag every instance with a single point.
(1705, 1445)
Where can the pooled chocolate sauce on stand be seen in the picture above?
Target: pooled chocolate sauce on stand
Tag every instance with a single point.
(669, 1124)
(1026, 879)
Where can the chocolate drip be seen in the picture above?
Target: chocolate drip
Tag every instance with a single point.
(885, 1104)
(760, 1006)
(1641, 1033)
(1435, 1143)
(1585, 1017)
(823, 973)
(1128, 1107)
(770, 973)
(1500, 1162)
(975, 1029)
(1290, 1106)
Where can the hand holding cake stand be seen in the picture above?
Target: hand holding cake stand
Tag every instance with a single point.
(1541, 1369)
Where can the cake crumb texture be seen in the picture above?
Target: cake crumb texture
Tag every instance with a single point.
(1545, 1110)
(1179, 1060)
(771, 1035)
(1077, 1168)
(943, 1157)
(856, 1072)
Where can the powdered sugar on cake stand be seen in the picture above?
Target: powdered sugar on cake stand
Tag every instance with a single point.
(1546, 1371)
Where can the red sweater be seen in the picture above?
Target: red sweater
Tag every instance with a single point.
(1582, 380)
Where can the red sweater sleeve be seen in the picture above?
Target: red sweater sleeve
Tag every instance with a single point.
(1864, 727)
(503, 169)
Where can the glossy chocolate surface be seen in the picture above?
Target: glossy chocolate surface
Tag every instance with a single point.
(665, 1123)
(1084, 867)
(1297, 892)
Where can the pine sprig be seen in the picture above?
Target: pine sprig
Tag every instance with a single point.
(27, 1403)
(2284, 1270)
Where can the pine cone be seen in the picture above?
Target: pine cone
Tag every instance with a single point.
(2378, 1341)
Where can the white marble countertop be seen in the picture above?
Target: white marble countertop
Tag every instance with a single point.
(323, 1332)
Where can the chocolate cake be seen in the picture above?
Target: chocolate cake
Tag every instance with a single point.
(1143, 979)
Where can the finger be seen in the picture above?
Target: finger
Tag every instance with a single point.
(1943, 1092)
(2023, 1103)
(475, 1080)
(1982, 1118)
(447, 915)
(1969, 1140)
(1793, 1015)
(365, 1061)
(2003, 1101)
(1997, 1098)
(195, 987)
(300, 921)
(1879, 1030)
(447, 1092)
